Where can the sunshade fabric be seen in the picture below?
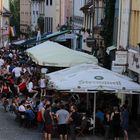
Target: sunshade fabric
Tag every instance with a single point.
(53, 54)
(91, 78)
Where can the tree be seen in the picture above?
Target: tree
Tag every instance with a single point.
(15, 18)
(108, 22)
(40, 23)
(107, 32)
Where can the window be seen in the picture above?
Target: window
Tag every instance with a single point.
(47, 2)
(51, 29)
(49, 24)
(50, 2)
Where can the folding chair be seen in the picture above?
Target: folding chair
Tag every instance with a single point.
(80, 129)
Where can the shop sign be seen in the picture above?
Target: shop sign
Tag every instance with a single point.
(121, 58)
(134, 61)
(117, 68)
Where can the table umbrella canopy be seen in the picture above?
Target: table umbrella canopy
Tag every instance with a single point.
(53, 54)
(91, 78)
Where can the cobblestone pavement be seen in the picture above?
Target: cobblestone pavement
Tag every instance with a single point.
(10, 130)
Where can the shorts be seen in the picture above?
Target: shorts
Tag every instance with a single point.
(48, 128)
(63, 129)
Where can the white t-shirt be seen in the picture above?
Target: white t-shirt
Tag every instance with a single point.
(17, 71)
(30, 86)
(44, 70)
(21, 108)
(42, 83)
(1, 62)
(8, 66)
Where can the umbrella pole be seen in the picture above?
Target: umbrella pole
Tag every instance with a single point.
(94, 112)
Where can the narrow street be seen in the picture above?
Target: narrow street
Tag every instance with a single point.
(10, 130)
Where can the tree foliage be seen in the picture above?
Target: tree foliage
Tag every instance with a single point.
(15, 18)
(40, 23)
(107, 32)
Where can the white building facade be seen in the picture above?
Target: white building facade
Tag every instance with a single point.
(123, 23)
(56, 13)
(34, 14)
(37, 10)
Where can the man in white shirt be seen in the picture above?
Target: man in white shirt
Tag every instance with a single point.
(32, 92)
(62, 116)
(17, 71)
(1, 62)
(21, 107)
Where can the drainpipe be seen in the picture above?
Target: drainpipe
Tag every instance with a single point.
(93, 14)
(130, 4)
(119, 24)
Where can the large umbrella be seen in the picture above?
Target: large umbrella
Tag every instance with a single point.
(53, 54)
(90, 78)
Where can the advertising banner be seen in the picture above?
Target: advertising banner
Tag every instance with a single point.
(134, 61)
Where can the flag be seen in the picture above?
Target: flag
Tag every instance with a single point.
(12, 31)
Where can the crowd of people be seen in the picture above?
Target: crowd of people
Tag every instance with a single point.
(23, 92)
(23, 88)
(113, 122)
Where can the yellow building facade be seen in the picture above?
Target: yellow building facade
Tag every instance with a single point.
(134, 35)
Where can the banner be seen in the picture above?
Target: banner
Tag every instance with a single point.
(134, 61)
(12, 31)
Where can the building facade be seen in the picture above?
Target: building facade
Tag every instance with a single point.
(123, 23)
(94, 13)
(4, 22)
(56, 14)
(37, 10)
(134, 47)
(25, 16)
(34, 14)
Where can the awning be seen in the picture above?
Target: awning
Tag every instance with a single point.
(53, 54)
(6, 12)
(110, 49)
(91, 78)
(18, 42)
(44, 37)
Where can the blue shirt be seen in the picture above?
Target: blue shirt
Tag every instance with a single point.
(100, 115)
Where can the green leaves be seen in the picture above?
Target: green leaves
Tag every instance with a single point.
(15, 18)
(40, 23)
